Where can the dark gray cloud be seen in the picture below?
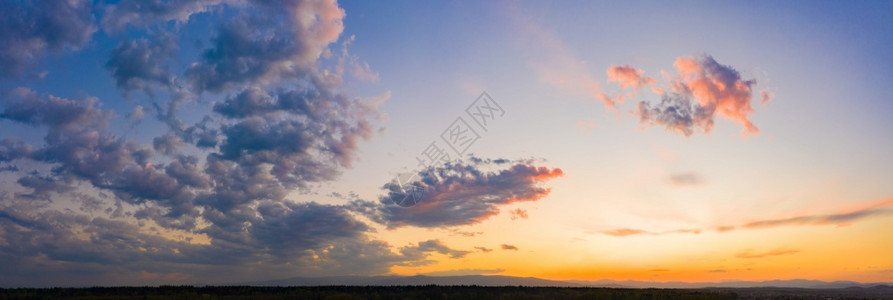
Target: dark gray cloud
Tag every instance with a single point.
(282, 41)
(141, 64)
(13, 148)
(77, 141)
(435, 246)
(461, 194)
(31, 29)
(41, 185)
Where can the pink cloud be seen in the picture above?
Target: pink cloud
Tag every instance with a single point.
(518, 214)
(629, 77)
(702, 90)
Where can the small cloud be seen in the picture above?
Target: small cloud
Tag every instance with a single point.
(766, 96)
(624, 232)
(483, 249)
(509, 247)
(629, 77)
(686, 179)
(518, 214)
(725, 228)
(434, 246)
(750, 253)
(585, 127)
(717, 271)
(457, 232)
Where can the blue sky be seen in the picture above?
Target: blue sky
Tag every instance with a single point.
(216, 141)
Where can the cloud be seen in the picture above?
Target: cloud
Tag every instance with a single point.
(508, 247)
(624, 232)
(839, 219)
(702, 90)
(13, 148)
(282, 40)
(750, 253)
(621, 232)
(139, 13)
(31, 29)
(686, 179)
(433, 246)
(483, 249)
(629, 77)
(766, 96)
(456, 231)
(461, 193)
(141, 64)
(518, 214)
(205, 199)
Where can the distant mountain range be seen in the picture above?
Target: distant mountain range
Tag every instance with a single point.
(497, 280)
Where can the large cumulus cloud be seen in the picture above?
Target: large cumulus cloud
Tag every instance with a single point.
(205, 196)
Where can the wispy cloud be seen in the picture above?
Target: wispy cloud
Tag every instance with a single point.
(621, 232)
(556, 65)
(750, 253)
(686, 179)
(509, 247)
(483, 249)
(841, 219)
(878, 209)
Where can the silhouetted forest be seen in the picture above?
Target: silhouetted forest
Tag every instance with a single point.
(356, 292)
(430, 292)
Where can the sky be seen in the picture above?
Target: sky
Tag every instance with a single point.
(233, 141)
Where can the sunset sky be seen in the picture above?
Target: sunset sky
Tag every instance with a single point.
(231, 141)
